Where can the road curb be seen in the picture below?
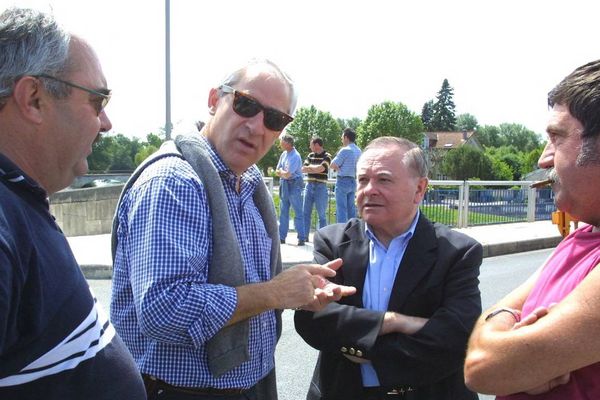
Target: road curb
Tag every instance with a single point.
(500, 249)
(99, 271)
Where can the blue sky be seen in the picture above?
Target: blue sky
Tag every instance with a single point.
(501, 58)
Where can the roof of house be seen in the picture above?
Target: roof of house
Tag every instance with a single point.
(448, 140)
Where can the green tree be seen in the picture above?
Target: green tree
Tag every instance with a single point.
(308, 123)
(270, 159)
(444, 118)
(466, 122)
(144, 153)
(154, 140)
(114, 153)
(489, 136)
(427, 115)
(500, 171)
(311, 122)
(390, 119)
(353, 123)
(100, 159)
(467, 162)
(519, 136)
(510, 157)
(531, 159)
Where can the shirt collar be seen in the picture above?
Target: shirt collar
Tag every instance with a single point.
(407, 235)
(252, 175)
(14, 176)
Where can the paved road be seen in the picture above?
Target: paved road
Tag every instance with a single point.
(295, 359)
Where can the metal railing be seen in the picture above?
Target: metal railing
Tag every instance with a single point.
(467, 203)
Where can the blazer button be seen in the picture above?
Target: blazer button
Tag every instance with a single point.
(344, 350)
(358, 353)
(351, 351)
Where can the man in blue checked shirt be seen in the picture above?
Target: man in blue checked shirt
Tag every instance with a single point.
(197, 285)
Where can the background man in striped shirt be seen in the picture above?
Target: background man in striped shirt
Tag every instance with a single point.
(316, 166)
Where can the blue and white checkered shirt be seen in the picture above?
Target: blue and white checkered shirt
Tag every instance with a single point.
(162, 305)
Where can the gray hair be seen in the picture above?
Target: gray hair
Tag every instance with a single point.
(238, 74)
(414, 157)
(286, 137)
(32, 43)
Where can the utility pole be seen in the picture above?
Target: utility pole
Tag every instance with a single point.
(168, 125)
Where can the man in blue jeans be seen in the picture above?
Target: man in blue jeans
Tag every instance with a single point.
(290, 188)
(316, 166)
(344, 164)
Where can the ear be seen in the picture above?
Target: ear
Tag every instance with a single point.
(30, 98)
(213, 99)
(421, 190)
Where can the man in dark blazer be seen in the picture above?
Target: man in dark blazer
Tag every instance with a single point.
(403, 334)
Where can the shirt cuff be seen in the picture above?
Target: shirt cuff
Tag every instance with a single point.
(220, 306)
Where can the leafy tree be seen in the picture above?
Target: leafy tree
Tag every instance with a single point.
(427, 115)
(114, 153)
(518, 136)
(154, 140)
(444, 118)
(489, 136)
(467, 162)
(466, 122)
(353, 123)
(308, 123)
(501, 171)
(531, 159)
(270, 159)
(510, 157)
(144, 153)
(100, 159)
(390, 119)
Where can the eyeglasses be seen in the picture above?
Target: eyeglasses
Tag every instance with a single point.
(247, 106)
(103, 97)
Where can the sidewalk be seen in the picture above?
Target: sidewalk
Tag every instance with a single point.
(94, 257)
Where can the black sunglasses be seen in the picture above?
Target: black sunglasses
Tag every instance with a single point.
(247, 106)
(98, 105)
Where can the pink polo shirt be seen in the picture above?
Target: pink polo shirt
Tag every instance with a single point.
(570, 263)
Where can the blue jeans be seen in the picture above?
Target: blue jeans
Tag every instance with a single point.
(345, 189)
(290, 193)
(314, 193)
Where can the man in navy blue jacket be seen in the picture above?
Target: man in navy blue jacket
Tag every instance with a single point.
(55, 341)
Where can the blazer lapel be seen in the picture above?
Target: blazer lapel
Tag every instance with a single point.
(355, 253)
(418, 259)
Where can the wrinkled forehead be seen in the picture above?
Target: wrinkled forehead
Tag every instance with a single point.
(380, 159)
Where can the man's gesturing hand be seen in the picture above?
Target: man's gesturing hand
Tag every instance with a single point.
(307, 286)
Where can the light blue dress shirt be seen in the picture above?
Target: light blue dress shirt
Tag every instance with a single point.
(379, 280)
(346, 160)
(291, 162)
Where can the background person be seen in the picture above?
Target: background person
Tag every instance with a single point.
(540, 341)
(403, 334)
(344, 164)
(55, 341)
(198, 287)
(291, 184)
(316, 166)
